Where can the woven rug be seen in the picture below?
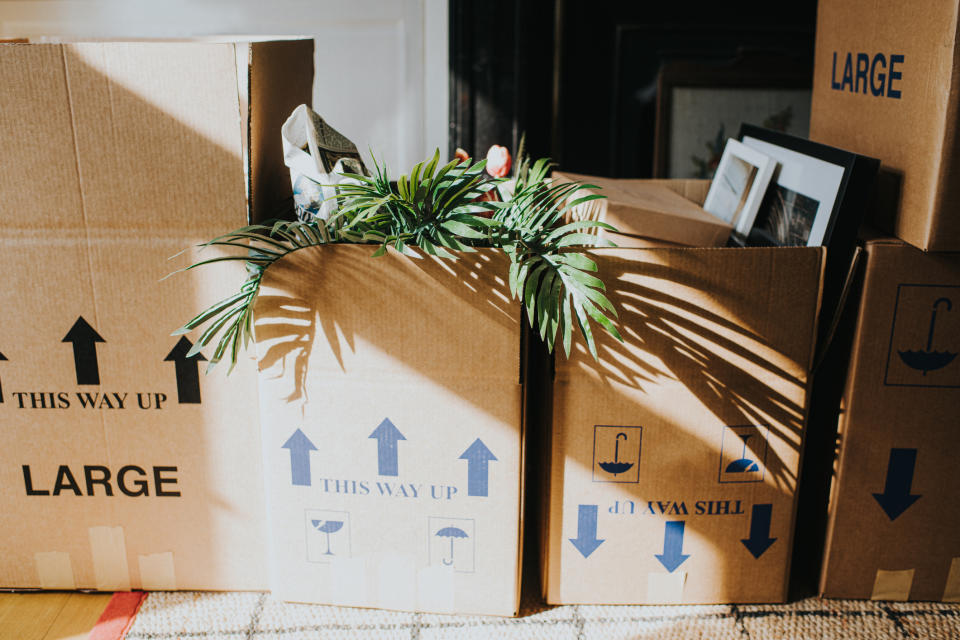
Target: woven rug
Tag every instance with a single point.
(239, 616)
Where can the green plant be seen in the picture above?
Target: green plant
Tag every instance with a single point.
(436, 212)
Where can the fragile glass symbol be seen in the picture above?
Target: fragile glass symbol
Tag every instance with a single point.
(927, 359)
(453, 533)
(743, 464)
(616, 466)
(327, 527)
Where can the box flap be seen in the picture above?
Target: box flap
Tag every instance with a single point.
(155, 133)
(281, 79)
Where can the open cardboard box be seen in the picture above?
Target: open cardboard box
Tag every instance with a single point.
(126, 467)
(674, 459)
(392, 417)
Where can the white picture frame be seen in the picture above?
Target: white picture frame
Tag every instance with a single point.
(739, 185)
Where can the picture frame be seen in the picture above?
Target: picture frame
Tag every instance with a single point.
(702, 102)
(739, 185)
(816, 192)
(839, 183)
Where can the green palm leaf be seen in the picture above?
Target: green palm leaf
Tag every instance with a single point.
(436, 212)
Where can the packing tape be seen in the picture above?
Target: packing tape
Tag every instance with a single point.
(156, 572)
(951, 592)
(436, 589)
(666, 588)
(55, 570)
(109, 551)
(348, 581)
(395, 575)
(892, 585)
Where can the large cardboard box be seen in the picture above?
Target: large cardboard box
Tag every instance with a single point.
(894, 516)
(391, 403)
(887, 84)
(674, 458)
(123, 466)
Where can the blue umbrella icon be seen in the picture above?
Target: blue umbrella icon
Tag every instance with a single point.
(327, 527)
(452, 533)
(928, 359)
(616, 466)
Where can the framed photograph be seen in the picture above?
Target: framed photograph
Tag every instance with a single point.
(811, 192)
(817, 197)
(701, 103)
(739, 185)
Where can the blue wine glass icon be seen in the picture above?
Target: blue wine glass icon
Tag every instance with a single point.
(327, 527)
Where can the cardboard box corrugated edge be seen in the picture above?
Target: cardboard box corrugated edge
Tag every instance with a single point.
(281, 78)
(806, 420)
(944, 229)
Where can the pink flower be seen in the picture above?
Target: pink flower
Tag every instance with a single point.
(498, 161)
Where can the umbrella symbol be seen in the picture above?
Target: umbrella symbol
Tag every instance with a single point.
(616, 466)
(928, 359)
(452, 533)
(742, 464)
(327, 527)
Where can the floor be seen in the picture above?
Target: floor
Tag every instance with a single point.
(50, 616)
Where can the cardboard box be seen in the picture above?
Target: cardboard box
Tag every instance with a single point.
(892, 532)
(649, 212)
(674, 458)
(124, 466)
(887, 84)
(391, 408)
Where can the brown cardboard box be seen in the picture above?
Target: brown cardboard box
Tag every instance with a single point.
(894, 516)
(649, 212)
(125, 467)
(391, 410)
(674, 458)
(887, 84)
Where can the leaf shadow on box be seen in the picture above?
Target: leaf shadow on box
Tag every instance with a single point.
(115, 230)
(686, 323)
(712, 338)
(451, 321)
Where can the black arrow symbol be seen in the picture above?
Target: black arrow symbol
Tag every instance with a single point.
(2, 358)
(896, 497)
(84, 340)
(188, 378)
(759, 540)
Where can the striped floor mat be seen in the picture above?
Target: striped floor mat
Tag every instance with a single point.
(242, 616)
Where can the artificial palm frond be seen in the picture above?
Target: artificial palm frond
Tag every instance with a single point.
(439, 212)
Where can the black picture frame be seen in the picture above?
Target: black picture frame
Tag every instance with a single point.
(852, 198)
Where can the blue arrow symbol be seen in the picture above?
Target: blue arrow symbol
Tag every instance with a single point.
(672, 556)
(478, 457)
(759, 540)
(387, 436)
(896, 497)
(586, 541)
(300, 447)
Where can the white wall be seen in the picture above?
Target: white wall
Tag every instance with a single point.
(381, 64)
